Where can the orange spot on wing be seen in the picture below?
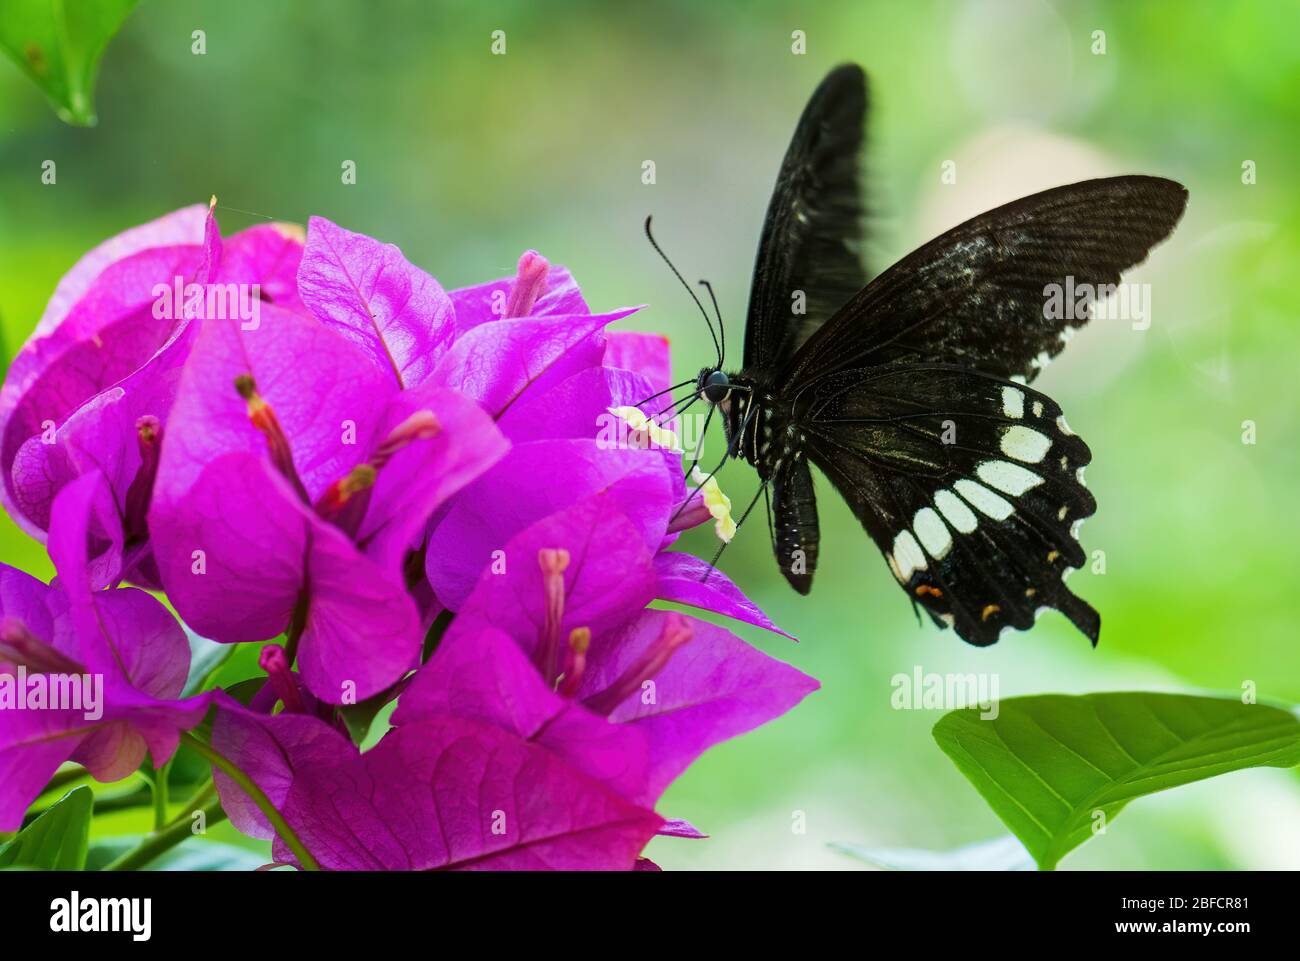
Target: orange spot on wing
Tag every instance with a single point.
(989, 612)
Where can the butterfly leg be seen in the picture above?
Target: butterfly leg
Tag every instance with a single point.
(731, 452)
(699, 444)
(762, 492)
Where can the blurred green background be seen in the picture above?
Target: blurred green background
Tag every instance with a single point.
(464, 159)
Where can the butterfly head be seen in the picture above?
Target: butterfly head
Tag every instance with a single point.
(713, 385)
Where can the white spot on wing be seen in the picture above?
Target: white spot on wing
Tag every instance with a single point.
(1038, 408)
(984, 500)
(1007, 477)
(907, 556)
(955, 510)
(1013, 403)
(1025, 444)
(1064, 427)
(933, 533)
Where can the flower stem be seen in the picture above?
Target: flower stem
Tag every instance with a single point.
(258, 796)
(160, 775)
(169, 836)
(198, 801)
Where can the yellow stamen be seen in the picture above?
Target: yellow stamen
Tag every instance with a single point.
(580, 640)
(290, 231)
(718, 504)
(362, 477)
(640, 424)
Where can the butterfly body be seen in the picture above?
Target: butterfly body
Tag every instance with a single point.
(749, 421)
(910, 393)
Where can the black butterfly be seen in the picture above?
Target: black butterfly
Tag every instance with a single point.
(909, 392)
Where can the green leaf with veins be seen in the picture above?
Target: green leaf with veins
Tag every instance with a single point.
(1053, 766)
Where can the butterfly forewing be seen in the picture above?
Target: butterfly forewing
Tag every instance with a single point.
(808, 262)
(977, 295)
(971, 486)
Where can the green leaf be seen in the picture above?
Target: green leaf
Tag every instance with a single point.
(360, 717)
(192, 854)
(55, 841)
(1047, 765)
(205, 657)
(138, 794)
(999, 854)
(58, 44)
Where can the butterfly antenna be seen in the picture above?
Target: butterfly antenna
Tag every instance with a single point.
(681, 280)
(686, 403)
(722, 328)
(666, 390)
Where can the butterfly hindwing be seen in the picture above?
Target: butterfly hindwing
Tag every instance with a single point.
(813, 224)
(977, 296)
(971, 486)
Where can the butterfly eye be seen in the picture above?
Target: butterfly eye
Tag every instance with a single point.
(716, 387)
